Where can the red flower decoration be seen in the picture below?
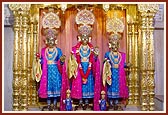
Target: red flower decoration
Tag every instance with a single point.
(84, 76)
(38, 55)
(109, 78)
(37, 75)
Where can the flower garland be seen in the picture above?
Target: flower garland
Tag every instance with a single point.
(84, 76)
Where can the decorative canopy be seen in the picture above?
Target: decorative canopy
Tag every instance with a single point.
(114, 25)
(50, 23)
(85, 17)
(51, 20)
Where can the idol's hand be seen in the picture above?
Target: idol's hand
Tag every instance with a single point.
(96, 51)
(105, 59)
(62, 58)
(99, 101)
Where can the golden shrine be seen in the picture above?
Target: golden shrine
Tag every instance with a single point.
(137, 44)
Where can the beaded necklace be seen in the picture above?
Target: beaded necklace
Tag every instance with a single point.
(53, 54)
(115, 60)
(84, 55)
(84, 50)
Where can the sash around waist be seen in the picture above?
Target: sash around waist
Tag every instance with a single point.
(49, 62)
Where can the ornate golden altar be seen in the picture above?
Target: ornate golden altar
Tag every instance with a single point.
(139, 49)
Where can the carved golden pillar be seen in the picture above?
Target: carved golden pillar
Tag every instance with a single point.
(150, 67)
(29, 70)
(143, 64)
(24, 64)
(132, 55)
(147, 63)
(32, 50)
(20, 96)
(16, 63)
(129, 57)
(136, 67)
(133, 59)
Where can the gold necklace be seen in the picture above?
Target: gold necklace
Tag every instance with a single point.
(113, 54)
(118, 59)
(84, 50)
(51, 50)
(47, 55)
(84, 58)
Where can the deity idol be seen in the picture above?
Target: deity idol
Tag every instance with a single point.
(68, 101)
(114, 77)
(84, 65)
(53, 82)
(102, 102)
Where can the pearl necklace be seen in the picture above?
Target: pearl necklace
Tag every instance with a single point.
(84, 48)
(85, 51)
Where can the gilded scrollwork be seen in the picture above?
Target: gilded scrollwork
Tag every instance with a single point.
(148, 7)
(24, 7)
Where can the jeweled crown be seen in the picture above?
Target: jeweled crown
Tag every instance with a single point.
(50, 23)
(114, 26)
(85, 19)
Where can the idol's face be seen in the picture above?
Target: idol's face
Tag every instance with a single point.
(103, 96)
(114, 46)
(85, 40)
(50, 42)
(68, 95)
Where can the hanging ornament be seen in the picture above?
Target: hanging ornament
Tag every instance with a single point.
(56, 41)
(106, 7)
(63, 7)
(90, 39)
